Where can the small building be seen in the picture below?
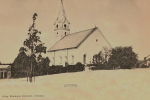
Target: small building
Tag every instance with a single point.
(5, 71)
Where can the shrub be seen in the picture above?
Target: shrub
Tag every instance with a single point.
(123, 57)
(79, 64)
(55, 69)
(75, 68)
(66, 64)
(143, 66)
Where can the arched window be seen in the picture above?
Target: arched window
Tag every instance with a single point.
(65, 58)
(57, 26)
(72, 59)
(84, 58)
(65, 26)
(65, 33)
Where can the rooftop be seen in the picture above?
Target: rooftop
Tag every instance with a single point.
(72, 40)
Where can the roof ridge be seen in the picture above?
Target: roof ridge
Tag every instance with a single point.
(81, 31)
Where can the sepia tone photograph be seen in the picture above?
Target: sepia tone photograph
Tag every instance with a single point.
(74, 50)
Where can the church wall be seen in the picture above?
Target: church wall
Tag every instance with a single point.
(91, 46)
(63, 56)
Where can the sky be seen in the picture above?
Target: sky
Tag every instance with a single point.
(123, 22)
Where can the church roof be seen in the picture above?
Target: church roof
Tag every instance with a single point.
(72, 40)
(62, 18)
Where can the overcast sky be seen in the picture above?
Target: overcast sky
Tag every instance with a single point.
(123, 22)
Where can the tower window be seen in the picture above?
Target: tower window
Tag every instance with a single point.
(65, 33)
(96, 40)
(65, 25)
(57, 26)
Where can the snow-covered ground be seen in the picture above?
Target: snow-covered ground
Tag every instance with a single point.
(88, 85)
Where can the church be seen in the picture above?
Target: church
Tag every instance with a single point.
(74, 47)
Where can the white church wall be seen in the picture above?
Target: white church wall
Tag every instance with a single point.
(63, 56)
(91, 46)
(72, 56)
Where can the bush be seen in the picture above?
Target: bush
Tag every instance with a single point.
(119, 57)
(60, 69)
(143, 66)
(66, 64)
(104, 66)
(75, 68)
(79, 64)
(123, 57)
(55, 69)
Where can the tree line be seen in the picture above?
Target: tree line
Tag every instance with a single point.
(115, 58)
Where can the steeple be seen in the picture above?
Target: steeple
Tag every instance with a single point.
(61, 24)
(61, 15)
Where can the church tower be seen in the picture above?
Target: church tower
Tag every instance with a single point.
(61, 24)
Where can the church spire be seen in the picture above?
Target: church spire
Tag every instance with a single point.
(62, 18)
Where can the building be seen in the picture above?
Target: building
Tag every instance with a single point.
(76, 47)
(5, 71)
